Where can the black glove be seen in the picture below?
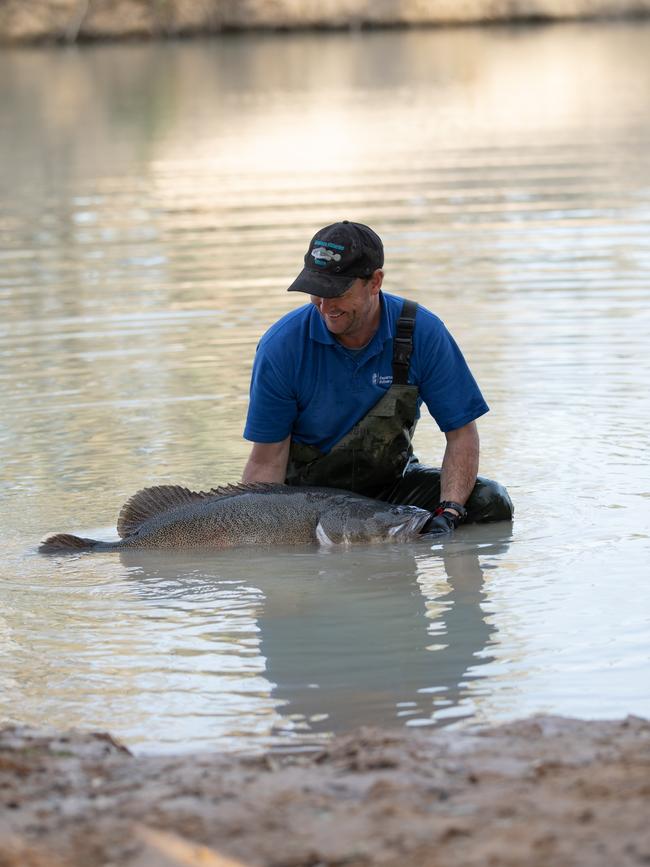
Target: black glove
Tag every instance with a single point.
(445, 522)
(445, 519)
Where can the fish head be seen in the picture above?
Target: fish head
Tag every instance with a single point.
(368, 521)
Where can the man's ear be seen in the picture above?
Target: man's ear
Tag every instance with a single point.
(376, 280)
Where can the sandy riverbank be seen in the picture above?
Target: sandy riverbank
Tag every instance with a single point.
(24, 21)
(544, 791)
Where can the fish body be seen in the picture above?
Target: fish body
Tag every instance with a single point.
(170, 516)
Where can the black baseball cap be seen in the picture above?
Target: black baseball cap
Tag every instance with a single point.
(337, 255)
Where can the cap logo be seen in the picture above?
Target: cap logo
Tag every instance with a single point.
(323, 257)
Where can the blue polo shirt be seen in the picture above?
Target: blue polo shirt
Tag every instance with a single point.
(305, 383)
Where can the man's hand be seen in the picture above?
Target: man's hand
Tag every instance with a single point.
(439, 525)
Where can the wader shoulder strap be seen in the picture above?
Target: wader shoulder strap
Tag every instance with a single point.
(403, 343)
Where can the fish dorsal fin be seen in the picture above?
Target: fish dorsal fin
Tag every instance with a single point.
(243, 488)
(161, 498)
(152, 501)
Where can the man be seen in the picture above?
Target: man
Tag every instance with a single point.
(337, 387)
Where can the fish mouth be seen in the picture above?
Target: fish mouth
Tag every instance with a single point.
(410, 528)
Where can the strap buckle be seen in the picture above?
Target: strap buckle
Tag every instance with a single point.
(403, 342)
(402, 348)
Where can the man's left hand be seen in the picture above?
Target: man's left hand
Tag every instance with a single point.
(445, 522)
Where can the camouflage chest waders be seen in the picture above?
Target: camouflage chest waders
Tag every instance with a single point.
(376, 451)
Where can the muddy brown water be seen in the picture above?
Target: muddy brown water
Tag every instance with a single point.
(155, 201)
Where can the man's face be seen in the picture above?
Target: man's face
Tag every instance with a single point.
(355, 314)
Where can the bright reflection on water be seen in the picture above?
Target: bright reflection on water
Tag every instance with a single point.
(155, 202)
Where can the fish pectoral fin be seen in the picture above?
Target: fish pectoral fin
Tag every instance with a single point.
(336, 527)
(323, 537)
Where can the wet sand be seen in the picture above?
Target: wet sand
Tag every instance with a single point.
(542, 791)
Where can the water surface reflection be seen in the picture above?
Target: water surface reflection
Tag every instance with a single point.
(297, 642)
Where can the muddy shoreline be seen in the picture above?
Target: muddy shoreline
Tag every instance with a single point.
(546, 790)
(36, 21)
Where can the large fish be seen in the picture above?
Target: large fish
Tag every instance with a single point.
(169, 516)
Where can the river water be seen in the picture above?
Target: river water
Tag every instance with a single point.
(156, 200)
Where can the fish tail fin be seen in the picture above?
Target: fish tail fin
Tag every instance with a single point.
(65, 543)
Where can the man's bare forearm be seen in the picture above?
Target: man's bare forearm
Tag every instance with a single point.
(460, 464)
(267, 462)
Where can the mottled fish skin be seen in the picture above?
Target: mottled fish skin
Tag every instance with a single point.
(171, 517)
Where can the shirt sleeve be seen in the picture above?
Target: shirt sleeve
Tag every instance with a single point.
(446, 384)
(273, 408)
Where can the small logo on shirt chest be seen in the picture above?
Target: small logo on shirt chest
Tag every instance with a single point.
(378, 379)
